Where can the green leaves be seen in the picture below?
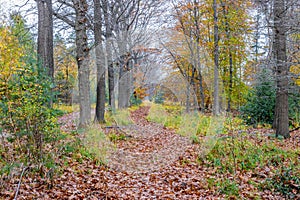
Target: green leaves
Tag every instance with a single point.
(26, 92)
(260, 101)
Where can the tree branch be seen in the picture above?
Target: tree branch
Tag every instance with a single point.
(20, 181)
(64, 19)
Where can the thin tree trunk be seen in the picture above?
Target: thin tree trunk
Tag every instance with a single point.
(216, 107)
(198, 62)
(281, 120)
(188, 91)
(100, 100)
(230, 82)
(82, 56)
(227, 31)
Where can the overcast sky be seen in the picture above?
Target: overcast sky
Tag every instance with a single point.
(7, 6)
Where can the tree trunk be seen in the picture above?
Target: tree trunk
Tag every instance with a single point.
(230, 81)
(281, 120)
(108, 36)
(100, 100)
(82, 56)
(216, 106)
(198, 62)
(45, 35)
(125, 78)
(228, 36)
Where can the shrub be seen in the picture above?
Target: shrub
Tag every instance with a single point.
(260, 100)
(260, 105)
(24, 109)
(135, 101)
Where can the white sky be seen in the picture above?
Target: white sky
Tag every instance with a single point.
(7, 6)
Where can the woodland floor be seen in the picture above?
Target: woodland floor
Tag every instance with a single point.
(152, 162)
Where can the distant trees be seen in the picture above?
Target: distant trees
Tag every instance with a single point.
(117, 29)
(214, 41)
(126, 24)
(65, 71)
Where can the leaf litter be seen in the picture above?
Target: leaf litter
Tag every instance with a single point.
(153, 163)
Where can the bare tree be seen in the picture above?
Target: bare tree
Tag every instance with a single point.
(281, 22)
(128, 22)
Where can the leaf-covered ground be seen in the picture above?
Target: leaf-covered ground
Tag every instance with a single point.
(153, 162)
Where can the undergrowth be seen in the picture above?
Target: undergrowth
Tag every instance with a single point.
(230, 149)
(241, 153)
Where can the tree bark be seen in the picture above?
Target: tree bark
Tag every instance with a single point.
(82, 56)
(125, 78)
(100, 99)
(216, 105)
(281, 120)
(108, 36)
(45, 35)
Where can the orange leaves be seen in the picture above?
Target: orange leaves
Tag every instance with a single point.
(140, 93)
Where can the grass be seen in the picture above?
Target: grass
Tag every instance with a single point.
(96, 144)
(157, 114)
(192, 125)
(243, 154)
(66, 108)
(119, 117)
(226, 146)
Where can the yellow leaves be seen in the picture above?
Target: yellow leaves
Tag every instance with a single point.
(295, 69)
(10, 55)
(64, 61)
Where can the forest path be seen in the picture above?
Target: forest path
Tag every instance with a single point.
(152, 163)
(149, 146)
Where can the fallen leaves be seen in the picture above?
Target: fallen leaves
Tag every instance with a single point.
(163, 165)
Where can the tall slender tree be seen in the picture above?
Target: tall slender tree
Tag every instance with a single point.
(100, 99)
(216, 105)
(281, 120)
(45, 35)
(108, 22)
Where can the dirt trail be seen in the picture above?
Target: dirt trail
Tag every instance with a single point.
(149, 147)
(148, 165)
